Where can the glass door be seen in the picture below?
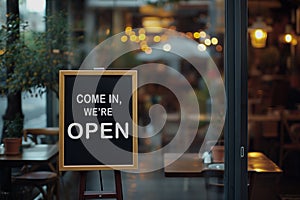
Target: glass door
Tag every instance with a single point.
(191, 57)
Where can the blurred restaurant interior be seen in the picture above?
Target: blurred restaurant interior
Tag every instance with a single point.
(273, 69)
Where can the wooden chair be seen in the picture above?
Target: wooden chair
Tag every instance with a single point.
(214, 179)
(290, 135)
(39, 179)
(37, 133)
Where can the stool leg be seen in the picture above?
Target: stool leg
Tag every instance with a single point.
(82, 184)
(56, 188)
(118, 183)
(42, 191)
(49, 191)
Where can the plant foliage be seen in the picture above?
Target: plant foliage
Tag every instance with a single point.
(32, 62)
(14, 128)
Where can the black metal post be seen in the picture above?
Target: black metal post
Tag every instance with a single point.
(236, 89)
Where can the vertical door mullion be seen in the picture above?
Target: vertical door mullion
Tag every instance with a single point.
(236, 91)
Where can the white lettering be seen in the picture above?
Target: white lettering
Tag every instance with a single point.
(87, 111)
(102, 98)
(91, 98)
(80, 131)
(103, 130)
(113, 98)
(109, 112)
(88, 130)
(79, 98)
(95, 112)
(87, 98)
(124, 132)
(95, 98)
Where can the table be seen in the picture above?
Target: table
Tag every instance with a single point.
(35, 154)
(190, 165)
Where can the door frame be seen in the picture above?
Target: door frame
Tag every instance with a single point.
(236, 73)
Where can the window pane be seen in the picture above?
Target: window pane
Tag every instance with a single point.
(34, 107)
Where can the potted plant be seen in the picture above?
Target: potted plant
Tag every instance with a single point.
(218, 152)
(14, 133)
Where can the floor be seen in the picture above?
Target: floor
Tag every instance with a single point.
(142, 186)
(155, 186)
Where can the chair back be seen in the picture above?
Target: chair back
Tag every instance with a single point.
(42, 135)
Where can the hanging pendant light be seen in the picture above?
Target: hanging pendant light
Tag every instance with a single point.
(258, 33)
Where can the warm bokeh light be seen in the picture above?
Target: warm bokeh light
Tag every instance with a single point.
(142, 36)
(207, 42)
(189, 34)
(144, 47)
(196, 35)
(288, 38)
(133, 38)
(202, 34)
(148, 50)
(219, 48)
(124, 38)
(259, 33)
(142, 31)
(214, 41)
(157, 38)
(201, 47)
(128, 30)
(258, 38)
(107, 31)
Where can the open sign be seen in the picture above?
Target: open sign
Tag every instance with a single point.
(98, 119)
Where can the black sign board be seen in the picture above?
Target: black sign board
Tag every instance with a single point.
(98, 119)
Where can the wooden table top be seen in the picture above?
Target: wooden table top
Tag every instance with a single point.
(190, 165)
(31, 155)
(258, 162)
